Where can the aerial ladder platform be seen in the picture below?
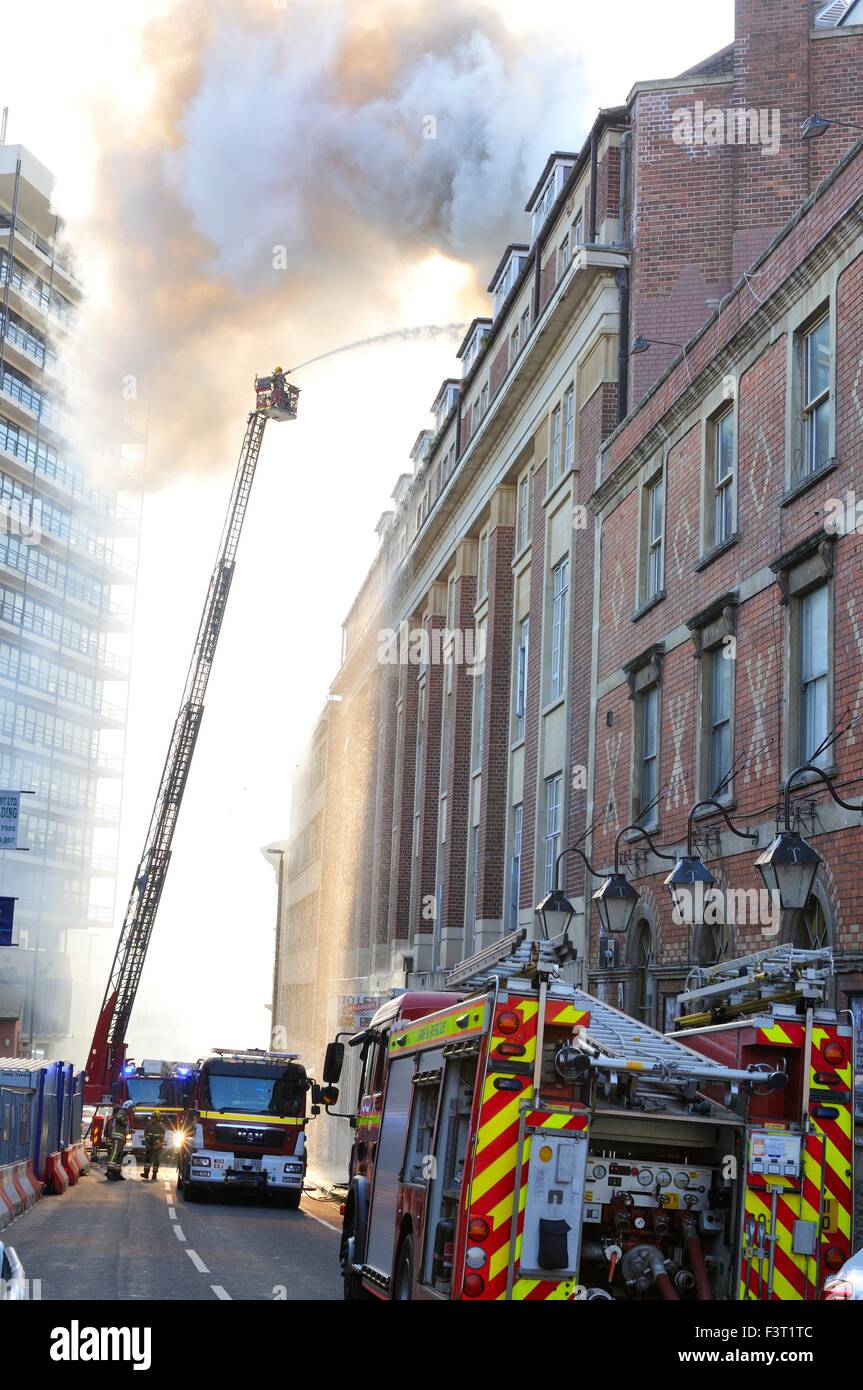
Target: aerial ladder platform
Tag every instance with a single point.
(275, 399)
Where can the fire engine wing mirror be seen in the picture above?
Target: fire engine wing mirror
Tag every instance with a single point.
(329, 1095)
(334, 1060)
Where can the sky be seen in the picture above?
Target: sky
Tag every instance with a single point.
(244, 183)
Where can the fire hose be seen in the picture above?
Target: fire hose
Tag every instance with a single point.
(696, 1261)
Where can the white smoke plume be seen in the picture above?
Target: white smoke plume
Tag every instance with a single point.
(297, 158)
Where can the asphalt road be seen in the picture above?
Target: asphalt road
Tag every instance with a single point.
(137, 1240)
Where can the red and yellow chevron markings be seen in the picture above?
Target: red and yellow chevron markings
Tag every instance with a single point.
(833, 1120)
(492, 1192)
(823, 1195)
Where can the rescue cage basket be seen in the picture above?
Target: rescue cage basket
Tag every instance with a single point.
(275, 397)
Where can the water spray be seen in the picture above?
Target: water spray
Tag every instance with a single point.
(426, 331)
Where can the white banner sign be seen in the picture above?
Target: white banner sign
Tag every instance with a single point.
(10, 806)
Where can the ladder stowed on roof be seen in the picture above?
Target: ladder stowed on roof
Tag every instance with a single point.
(613, 1041)
(784, 971)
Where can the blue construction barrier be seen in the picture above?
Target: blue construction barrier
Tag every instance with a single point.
(41, 1108)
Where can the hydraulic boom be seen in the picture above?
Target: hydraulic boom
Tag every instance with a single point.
(275, 399)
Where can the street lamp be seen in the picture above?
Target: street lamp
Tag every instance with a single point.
(688, 898)
(789, 865)
(815, 126)
(643, 344)
(555, 912)
(616, 898)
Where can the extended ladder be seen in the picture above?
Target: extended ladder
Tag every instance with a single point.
(107, 1050)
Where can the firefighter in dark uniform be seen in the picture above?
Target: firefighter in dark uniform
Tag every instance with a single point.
(154, 1142)
(119, 1128)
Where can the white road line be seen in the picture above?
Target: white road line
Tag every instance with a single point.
(197, 1261)
(321, 1222)
(221, 1293)
(178, 1232)
(172, 1214)
(166, 1185)
(169, 1199)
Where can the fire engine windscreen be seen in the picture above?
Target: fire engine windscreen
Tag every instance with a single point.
(257, 1088)
(147, 1090)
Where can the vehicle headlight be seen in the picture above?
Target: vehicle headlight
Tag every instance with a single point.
(201, 1162)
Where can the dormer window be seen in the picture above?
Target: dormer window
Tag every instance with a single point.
(443, 403)
(473, 344)
(506, 275)
(548, 190)
(420, 450)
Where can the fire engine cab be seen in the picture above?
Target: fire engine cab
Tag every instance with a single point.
(159, 1088)
(246, 1124)
(516, 1138)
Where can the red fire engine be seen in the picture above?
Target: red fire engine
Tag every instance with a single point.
(246, 1124)
(769, 1009)
(520, 1139)
(155, 1088)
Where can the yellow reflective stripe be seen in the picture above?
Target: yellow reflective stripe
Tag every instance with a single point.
(499, 1122)
(439, 1028)
(568, 1014)
(368, 1119)
(557, 1120)
(483, 1182)
(251, 1120)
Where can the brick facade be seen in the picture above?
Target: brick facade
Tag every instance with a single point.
(508, 504)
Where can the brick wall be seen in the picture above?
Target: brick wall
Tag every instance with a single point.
(458, 767)
(496, 732)
(770, 524)
(534, 690)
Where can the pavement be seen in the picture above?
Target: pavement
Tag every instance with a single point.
(141, 1241)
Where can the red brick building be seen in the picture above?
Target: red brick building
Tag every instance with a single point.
(584, 526)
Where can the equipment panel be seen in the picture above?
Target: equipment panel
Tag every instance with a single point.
(668, 1185)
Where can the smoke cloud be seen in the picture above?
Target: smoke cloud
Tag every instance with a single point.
(296, 160)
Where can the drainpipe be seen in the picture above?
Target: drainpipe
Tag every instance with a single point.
(593, 179)
(622, 278)
(536, 258)
(623, 290)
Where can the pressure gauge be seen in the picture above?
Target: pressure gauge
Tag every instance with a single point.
(645, 1177)
(599, 1170)
(663, 1178)
(682, 1180)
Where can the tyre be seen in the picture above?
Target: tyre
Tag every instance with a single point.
(352, 1283)
(292, 1199)
(191, 1191)
(403, 1283)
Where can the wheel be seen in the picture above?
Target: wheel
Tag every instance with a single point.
(352, 1283)
(191, 1191)
(403, 1283)
(292, 1199)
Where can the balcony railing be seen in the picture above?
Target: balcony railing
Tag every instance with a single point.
(32, 238)
(35, 291)
(34, 347)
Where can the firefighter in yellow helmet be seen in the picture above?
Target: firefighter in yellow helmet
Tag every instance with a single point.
(115, 1133)
(154, 1143)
